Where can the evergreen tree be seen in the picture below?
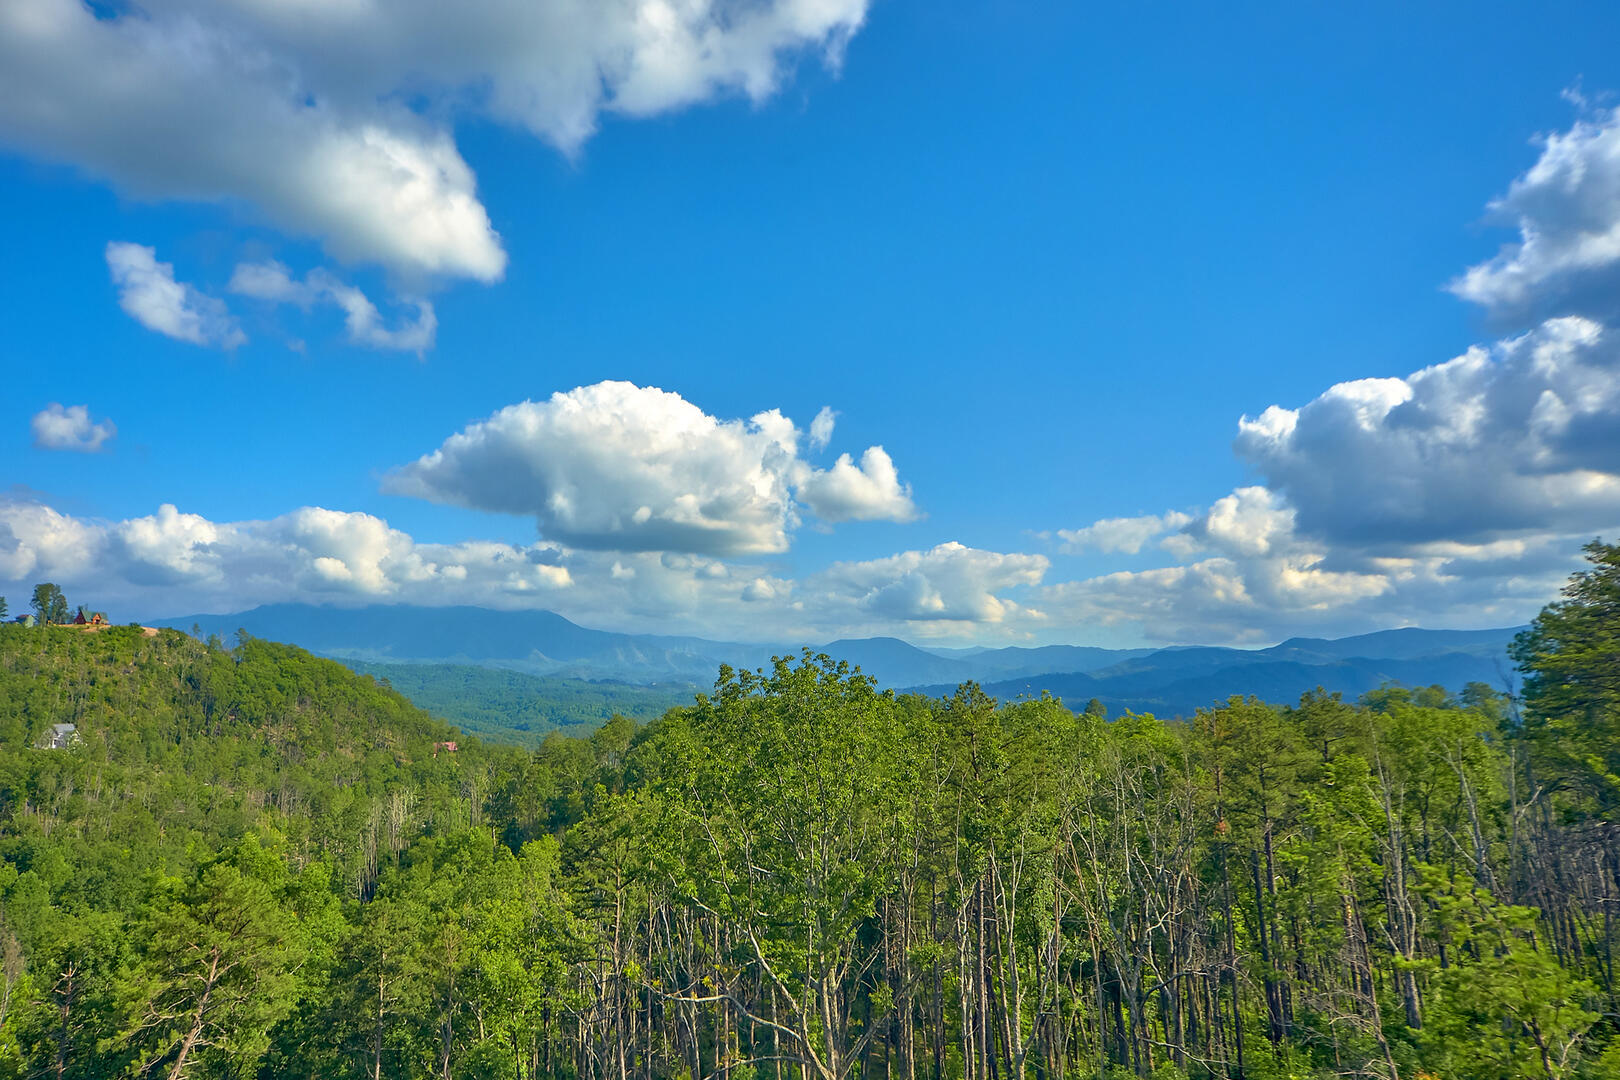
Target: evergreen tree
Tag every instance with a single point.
(217, 970)
(1572, 681)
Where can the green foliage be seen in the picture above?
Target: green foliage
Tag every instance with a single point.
(521, 709)
(1570, 656)
(257, 863)
(50, 606)
(219, 953)
(1502, 1007)
(72, 1008)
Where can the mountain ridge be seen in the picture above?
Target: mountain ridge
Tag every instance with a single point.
(1170, 680)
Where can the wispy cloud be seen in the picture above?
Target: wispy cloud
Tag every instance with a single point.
(821, 428)
(149, 293)
(1121, 535)
(273, 282)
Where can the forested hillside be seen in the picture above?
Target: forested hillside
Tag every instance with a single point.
(255, 863)
(514, 707)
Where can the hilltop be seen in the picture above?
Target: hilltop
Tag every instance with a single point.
(270, 731)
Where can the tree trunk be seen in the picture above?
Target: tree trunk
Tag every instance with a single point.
(197, 1020)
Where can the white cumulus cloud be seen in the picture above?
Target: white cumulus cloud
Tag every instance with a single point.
(1567, 212)
(70, 428)
(297, 109)
(615, 466)
(37, 541)
(174, 562)
(950, 581)
(1251, 521)
(1456, 496)
(870, 491)
(149, 293)
(1518, 438)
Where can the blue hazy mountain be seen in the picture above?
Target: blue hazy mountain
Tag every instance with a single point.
(1170, 681)
(544, 643)
(538, 642)
(1407, 643)
(1179, 681)
(1021, 660)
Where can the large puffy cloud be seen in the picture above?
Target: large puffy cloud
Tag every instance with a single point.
(295, 108)
(621, 467)
(70, 428)
(549, 66)
(181, 105)
(149, 293)
(38, 541)
(1567, 211)
(1517, 439)
(169, 548)
(1456, 496)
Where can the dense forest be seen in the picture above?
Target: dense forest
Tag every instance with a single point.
(249, 862)
(516, 707)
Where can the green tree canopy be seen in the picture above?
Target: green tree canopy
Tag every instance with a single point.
(1570, 656)
(50, 606)
(221, 952)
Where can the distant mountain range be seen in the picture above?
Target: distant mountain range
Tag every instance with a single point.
(1171, 681)
(1179, 681)
(543, 643)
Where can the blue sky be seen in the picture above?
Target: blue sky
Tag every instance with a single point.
(1045, 257)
